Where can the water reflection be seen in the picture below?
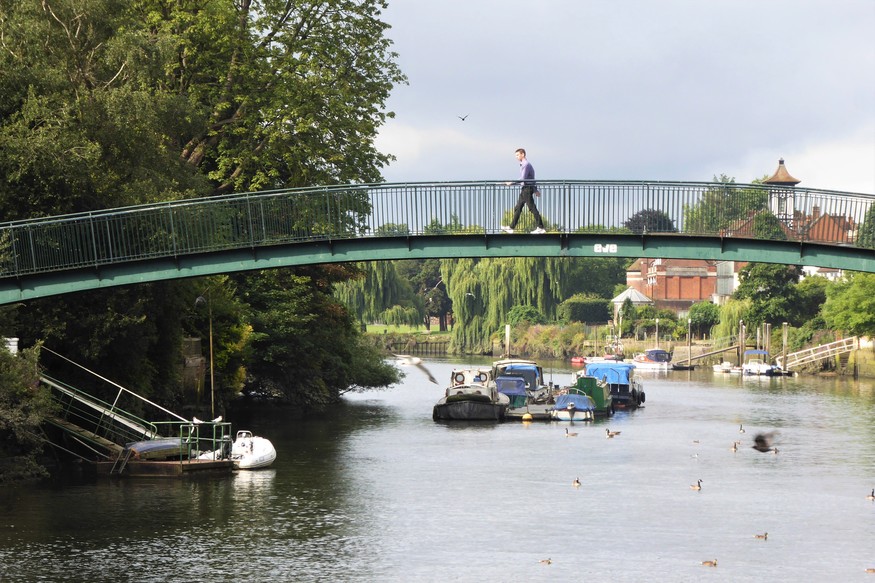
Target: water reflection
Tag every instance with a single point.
(377, 491)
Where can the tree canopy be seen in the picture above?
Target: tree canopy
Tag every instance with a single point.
(721, 205)
(850, 305)
(106, 103)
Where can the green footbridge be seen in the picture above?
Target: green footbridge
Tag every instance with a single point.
(331, 224)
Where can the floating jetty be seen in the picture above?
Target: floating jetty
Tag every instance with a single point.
(164, 469)
(115, 442)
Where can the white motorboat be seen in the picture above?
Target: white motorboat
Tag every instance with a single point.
(248, 452)
(727, 367)
(653, 359)
(755, 364)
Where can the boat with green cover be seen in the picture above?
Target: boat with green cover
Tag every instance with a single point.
(595, 389)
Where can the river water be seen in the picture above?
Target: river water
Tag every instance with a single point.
(377, 491)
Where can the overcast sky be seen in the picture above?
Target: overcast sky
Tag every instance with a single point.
(634, 89)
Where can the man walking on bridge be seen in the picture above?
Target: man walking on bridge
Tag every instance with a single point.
(527, 193)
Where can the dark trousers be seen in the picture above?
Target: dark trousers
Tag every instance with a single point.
(526, 199)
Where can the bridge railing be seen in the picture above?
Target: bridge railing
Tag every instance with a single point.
(251, 220)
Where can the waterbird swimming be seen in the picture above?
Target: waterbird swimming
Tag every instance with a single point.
(740, 428)
(697, 485)
(576, 483)
(734, 447)
(407, 360)
(764, 536)
(710, 563)
(609, 433)
(570, 434)
(545, 561)
(872, 495)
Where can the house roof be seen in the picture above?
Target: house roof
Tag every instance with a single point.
(634, 295)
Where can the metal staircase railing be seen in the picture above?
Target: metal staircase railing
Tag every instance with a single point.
(101, 419)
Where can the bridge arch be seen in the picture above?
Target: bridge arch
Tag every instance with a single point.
(274, 229)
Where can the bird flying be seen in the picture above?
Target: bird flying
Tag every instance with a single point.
(763, 442)
(462, 117)
(407, 360)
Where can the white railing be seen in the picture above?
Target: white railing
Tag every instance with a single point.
(817, 353)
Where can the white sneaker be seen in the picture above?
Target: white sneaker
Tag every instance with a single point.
(506, 229)
(539, 231)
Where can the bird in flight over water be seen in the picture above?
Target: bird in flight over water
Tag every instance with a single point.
(407, 360)
(462, 117)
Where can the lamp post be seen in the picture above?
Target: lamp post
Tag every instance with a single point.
(690, 341)
(657, 332)
(201, 299)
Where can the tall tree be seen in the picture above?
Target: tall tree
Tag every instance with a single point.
(721, 205)
(772, 292)
(484, 291)
(850, 305)
(114, 102)
(310, 351)
(23, 406)
(866, 233)
(650, 221)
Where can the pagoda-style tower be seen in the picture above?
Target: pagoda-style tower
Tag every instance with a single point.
(782, 198)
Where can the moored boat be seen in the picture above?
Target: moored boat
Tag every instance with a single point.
(523, 382)
(755, 364)
(251, 452)
(247, 452)
(471, 397)
(627, 392)
(596, 389)
(653, 359)
(573, 407)
(726, 367)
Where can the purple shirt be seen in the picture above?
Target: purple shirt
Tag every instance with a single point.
(527, 173)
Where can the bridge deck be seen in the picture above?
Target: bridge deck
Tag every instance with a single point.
(385, 221)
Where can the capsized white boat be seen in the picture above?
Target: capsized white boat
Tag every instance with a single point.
(248, 452)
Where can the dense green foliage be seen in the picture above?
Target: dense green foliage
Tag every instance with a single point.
(772, 292)
(650, 221)
(108, 102)
(703, 316)
(850, 305)
(722, 205)
(23, 406)
(866, 232)
(525, 315)
(585, 308)
(309, 350)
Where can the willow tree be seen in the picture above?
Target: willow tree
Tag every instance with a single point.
(732, 313)
(484, 291)
(377, 293)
